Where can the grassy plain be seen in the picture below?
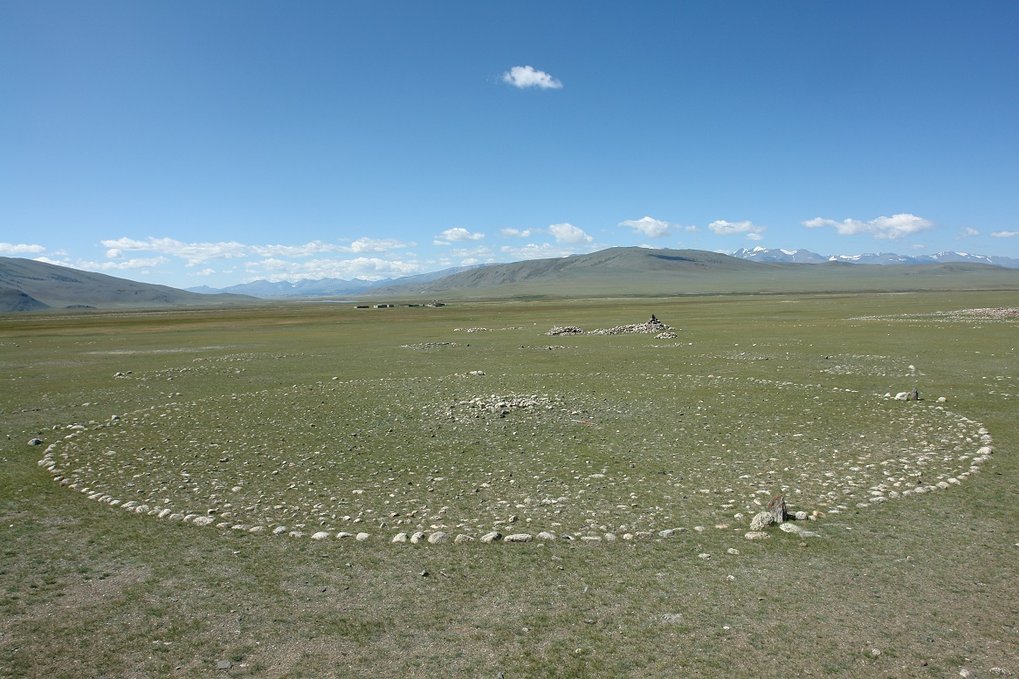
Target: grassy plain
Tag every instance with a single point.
(324, 417)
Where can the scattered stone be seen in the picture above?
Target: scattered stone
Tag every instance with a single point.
(776, 507)
(547, 536)
(463, 539)
(489, 538)
(320, 535)
(400, 538)
(417, 537)
(223, 665)
(361, 537)
(756, 535)
(35, 442)
(761, 521)
(438, 538)
(518, 537)
(733, 551)
(801, 516)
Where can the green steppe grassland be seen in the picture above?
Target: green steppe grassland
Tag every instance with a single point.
(217, 492)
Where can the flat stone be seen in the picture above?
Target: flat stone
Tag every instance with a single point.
(489, 538)
(361, 537)
(320, 535)
(757, 535)
(438, 538)
(546, 536)
(518, 537)
(462, 539)
(400, 538)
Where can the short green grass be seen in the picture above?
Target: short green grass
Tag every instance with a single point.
(276, 416)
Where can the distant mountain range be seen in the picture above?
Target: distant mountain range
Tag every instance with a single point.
(28, 285)
(779, 255)
(335, 287)
(322, 287)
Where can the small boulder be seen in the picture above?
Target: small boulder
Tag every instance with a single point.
(761, 521)
(489, 538)
(518, 537)
(438, 538)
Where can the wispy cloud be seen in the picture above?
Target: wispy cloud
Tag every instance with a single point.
(192, 253)
(969, 232)
(1005, 234)
(457, 234)
(885, 228)
(367, 268)
(567, 233)
(195, 254)
(747, 228)
(21, 249)
(649, 226)
(516, 233)
(134, 263)
(535, 251)
(528, 76)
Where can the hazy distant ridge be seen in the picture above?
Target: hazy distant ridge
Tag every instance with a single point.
(781, 255)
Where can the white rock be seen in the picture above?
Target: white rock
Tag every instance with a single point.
(489, 538)
(361, 537)
(320, 535)
(761, 520)
(462, 539)
(438, 537)
(757, 535)
(417, 537)
(400, 538)
(518, 537)
(546, 536)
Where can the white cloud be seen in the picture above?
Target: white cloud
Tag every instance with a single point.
(195, 254)
(117, 265)
(567, 233)
(377, 245)
(535, 251)
(1005, 234)
(192, 253)
(725, 228)
(528, 76)
(21, 249)
(969, 232)
(516, 233)
(455, 235)
(472, 253)
(368, 268)
(885, 228)
(648, 226)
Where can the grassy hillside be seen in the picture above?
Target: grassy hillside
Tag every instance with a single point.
(63, 287)
(627, 272)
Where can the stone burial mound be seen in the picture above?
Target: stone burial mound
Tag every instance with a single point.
(604, 457)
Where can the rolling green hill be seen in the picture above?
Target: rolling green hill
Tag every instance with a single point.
(28, 285)
(634, 271)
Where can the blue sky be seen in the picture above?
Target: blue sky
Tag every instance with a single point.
(192, 143)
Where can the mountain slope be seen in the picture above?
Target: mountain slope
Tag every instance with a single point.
(629, 272)
(25, 284)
